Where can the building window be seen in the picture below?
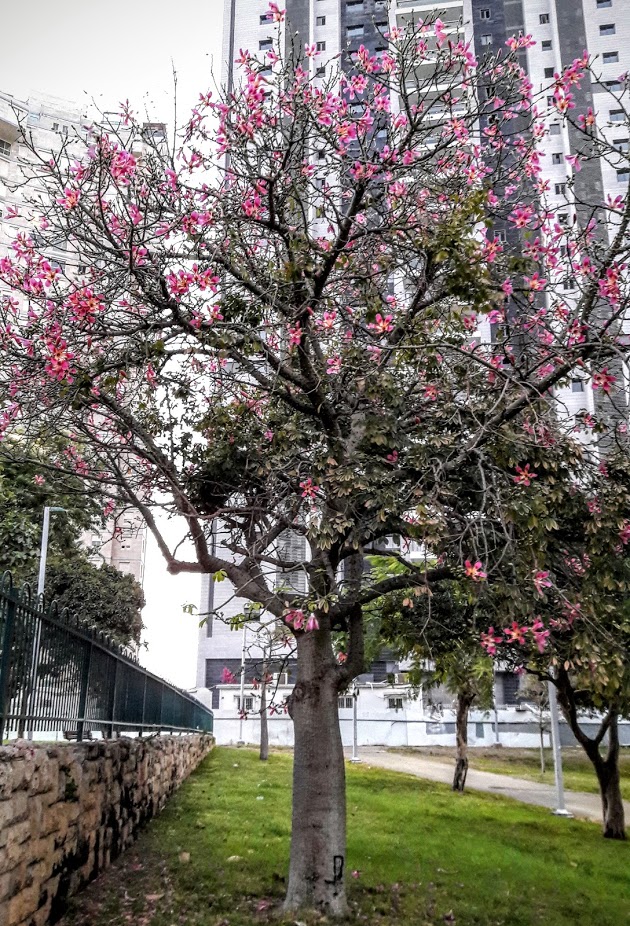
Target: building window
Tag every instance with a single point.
(607, 29)
(568, 283)
(610, 57)
(55, 126)
(5, 148)
(622, 144)
(486, 39)
(354, 5)
(623, 175)
(617, 115)
(563, 219)
(546, 45)
(555, 128)
(549, 72)
(557, 158)
(354, 32)
(479, 734)
(484, 14)
(604, 4)
(395, 704)
(320, 71)
(543, 19)
(345, 702)
(561, 189)
(550, 101)
(577, 385)
(320, 21)
(614, 86)
(248, 701)
(321, 46)
(266, 18)
(265, 44)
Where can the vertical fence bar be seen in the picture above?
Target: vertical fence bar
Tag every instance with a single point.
(5, 663)
(85, 681)
(112, 700)
(144, 704)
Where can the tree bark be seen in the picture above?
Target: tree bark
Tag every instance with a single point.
(606, 769)
(264, 724)
(318, 837)
(464, 700)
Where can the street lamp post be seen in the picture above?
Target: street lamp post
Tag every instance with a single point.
(241, 741)
(561, 810)
(355, 724)
(41, 584)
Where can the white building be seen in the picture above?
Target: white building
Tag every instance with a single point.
(52, 122)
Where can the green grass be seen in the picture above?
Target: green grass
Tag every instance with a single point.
(525, 763)
(425, 856)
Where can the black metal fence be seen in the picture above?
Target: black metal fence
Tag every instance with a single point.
(59, 674)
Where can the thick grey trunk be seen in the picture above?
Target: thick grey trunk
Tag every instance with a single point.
(318, 835)
(614, 824)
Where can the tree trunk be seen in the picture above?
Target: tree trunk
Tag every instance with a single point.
(461, 765)
(264, 725)
(542, 747)
(612, 802)
(609, 786)
(607, 770)
(318, 836)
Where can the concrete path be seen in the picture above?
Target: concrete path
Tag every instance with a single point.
(586, 806)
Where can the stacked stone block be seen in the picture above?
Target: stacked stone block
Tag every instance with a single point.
(67, 811)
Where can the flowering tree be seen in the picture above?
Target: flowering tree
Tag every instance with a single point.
(277, 328)
(566, 599)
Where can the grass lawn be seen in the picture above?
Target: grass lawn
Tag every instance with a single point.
(525, 763)
(217, 856)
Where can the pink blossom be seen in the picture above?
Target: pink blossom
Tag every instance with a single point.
(489, 641)
(540, 634)
(312, 624)
(382, 324)
(542, 580)
(309, 488)
(515, 633)
(525, 475)
(603, 380)
(475, 571)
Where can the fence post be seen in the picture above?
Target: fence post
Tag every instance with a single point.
(144, 703)
(112, 705)
(5, 664)
(85, 681)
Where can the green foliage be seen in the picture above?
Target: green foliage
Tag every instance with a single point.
(22, 502)
(100, 595)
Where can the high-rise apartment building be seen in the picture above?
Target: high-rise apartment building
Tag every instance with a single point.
(51, 122)
(563, 30)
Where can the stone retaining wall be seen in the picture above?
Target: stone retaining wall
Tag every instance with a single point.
(67, 811)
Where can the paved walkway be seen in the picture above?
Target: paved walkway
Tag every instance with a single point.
(587, 806)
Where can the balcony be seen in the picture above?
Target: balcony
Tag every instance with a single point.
(9, 127)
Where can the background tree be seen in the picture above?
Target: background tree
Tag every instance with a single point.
(438, 630)
(568, 600)
(99, 595)
(276, 330)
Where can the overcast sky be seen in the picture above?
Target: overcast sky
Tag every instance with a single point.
(112, 50)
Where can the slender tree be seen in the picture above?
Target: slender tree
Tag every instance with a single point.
(280, 326)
